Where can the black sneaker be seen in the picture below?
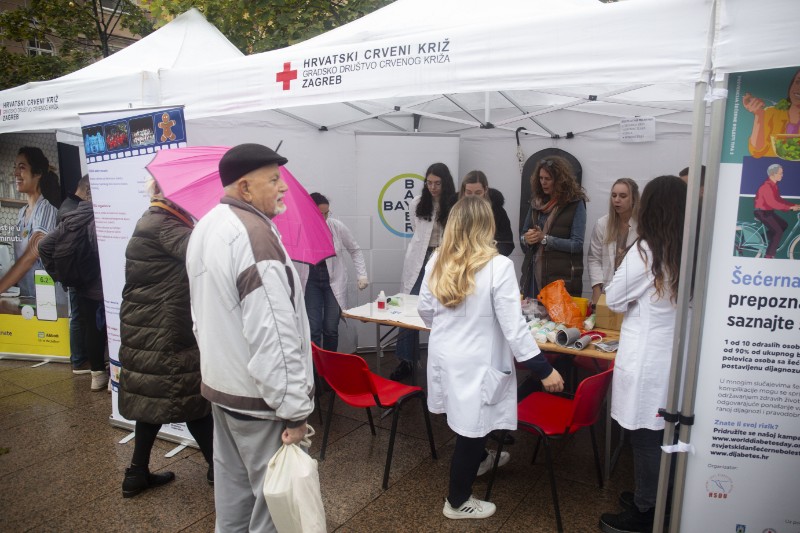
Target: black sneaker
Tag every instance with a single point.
(626, 500)
(403, 370)
(628, 521)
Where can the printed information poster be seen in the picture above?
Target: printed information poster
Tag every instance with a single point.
(743, 476)
(119, 145)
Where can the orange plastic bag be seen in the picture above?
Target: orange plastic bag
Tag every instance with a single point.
(559, 304)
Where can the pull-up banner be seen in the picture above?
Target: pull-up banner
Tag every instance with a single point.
(743, 476)
(119, 145)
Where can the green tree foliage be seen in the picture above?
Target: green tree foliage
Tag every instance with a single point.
(261, 25)
(81, 29)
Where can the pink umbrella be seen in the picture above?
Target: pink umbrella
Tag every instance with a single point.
(190, 178)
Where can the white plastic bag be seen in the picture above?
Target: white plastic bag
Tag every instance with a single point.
(291, 488)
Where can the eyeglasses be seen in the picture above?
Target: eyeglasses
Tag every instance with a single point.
(433, 184)
(546, 163)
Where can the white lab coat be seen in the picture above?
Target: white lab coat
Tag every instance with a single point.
(415, 253)
(602, 255)
(342, 240)
(471, 351)
(641, 368)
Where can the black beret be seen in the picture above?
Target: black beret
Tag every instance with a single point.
(246, 158)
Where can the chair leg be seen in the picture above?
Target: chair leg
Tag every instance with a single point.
(327, 427)
(428, 425)
(553, 483)
(392, 436)
(536, 449)
(503, 434)
(596, 457)
(371, 423)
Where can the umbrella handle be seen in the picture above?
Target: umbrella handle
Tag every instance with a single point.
(517, 132)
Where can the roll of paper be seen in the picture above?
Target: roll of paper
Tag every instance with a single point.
(568, 336)
(583, 342)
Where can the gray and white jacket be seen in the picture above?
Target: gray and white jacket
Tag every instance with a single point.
(249, 316)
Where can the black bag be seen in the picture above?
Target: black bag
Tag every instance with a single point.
(69, 253)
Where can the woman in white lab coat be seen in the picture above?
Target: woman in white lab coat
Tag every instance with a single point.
(470, 300)
(428, 215)
(325, 284)
(645, 288)
(613, 235)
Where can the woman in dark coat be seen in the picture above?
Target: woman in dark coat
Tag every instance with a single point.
(475, 183)
(160, 378)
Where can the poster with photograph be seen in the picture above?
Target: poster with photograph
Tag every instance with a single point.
(124, 142)
(742, 475)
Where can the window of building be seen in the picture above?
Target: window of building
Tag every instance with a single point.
(40, 48)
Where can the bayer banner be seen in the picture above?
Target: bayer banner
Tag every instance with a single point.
(390, 170)
(743, 474)
(118, 146)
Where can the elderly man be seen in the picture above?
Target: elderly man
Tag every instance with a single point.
(251, 325)
(768, 200)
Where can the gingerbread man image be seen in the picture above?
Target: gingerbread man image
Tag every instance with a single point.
(166, 126)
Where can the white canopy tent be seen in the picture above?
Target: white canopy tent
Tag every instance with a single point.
(128, 78)
(566, 70)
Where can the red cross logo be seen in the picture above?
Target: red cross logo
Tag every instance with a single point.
(286, 76)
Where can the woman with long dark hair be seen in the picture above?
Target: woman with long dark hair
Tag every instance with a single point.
(470, 300)
(552, 233)
(429, 217)
(645, 288)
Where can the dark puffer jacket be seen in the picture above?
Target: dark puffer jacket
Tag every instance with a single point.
(502, 225)
(160, 379)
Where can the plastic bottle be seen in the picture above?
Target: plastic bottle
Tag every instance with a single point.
(381, 301)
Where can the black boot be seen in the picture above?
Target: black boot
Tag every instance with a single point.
(210, 475)
(628, 521)
(138, 478)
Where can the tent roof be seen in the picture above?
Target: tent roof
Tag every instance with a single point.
(545, 55)
(128, 78)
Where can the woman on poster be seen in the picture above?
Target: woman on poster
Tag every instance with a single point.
(783, 117)
(35, 220)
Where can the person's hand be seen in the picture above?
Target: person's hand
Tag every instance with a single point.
(753, 104)
(554, 382)
(294, 435)
(795, 207)
(533, 236)
(363, 283)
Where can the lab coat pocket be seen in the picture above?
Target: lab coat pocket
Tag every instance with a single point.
(496, 385)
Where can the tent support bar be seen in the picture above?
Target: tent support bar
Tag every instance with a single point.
(522, 110)
(299, 119)
(378, 116)
(439, 117)
(462, 108)
(577, 101)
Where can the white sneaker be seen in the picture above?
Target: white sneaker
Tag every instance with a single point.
(488, 463)
(99, 380)
(472, 508)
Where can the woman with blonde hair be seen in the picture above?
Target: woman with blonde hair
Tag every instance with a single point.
(470, 300)
(613, 235)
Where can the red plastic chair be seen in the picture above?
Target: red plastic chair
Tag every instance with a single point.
(553, 417)
(350, 378)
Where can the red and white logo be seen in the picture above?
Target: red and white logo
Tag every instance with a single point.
(286, 76)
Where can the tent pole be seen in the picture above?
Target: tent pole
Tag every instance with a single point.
(685, 289)
(703, 261)
(684, 297)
